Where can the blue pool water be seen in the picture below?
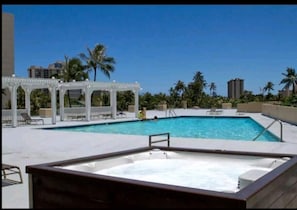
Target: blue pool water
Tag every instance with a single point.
(231, 128)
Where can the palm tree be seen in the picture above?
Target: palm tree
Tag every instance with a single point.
(97, 58)
(73, 69)
(177, 94)
(197, 86)
(290, 80)
(180, 88)
(268, 87)
(212, 88)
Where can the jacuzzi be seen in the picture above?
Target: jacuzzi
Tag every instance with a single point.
(166, 177)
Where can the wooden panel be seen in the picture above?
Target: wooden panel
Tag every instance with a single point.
(75, 192)
(278, 192)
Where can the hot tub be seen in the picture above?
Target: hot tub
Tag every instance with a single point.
(166, 177)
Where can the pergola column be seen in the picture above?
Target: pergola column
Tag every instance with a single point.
(27, 100)
(53, 103)
(88, 107)
(113, 103)
(61, 100)
(136, 101)
(13, 99)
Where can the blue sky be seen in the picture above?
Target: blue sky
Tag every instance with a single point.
(157, 45)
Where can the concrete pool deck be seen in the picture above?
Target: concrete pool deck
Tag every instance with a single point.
(26, 145)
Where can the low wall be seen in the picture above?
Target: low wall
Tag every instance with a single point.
(45, 112)
(253, 107)
(284, 113)
(162, 107)
(226, 105)
(131, 108)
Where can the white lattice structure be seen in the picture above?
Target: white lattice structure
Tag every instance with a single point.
(54, 85)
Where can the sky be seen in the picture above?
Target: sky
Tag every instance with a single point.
(158, 45)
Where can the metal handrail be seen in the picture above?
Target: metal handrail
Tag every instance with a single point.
(281, 129)
(161, 140)
(171, 112)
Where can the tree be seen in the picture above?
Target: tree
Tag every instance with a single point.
(180, 88)
(212, 89)
(97, 58)
(173, 97)
(73, 69)
(177, 94)
(124, 99)
(196, 87)
(39, 98)
(268, 87)
(290, 80)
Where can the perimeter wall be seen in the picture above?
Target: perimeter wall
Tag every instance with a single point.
(284, 113)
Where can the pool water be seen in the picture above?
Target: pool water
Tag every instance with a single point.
(211, 176)
(216, 172)
(230, 128)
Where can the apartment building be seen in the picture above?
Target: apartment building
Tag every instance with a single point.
(49, 72)
(7, 57)
(235, 88)
(52, 70)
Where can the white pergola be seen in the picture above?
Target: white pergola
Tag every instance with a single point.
(88, 87)
(29, 84)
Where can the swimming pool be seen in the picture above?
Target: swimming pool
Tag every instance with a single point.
(202, 127)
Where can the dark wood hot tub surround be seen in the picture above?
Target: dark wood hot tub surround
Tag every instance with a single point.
(53, 187)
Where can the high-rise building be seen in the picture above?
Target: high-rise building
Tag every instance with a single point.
(7, 57)
(41, 72)
(7, 44)
(52, 70)
(235, 88)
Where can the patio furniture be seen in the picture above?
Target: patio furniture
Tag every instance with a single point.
(11, 175)
(29, 120)
(121, 114)
(101, 111)
(214, 111)
(75, 113)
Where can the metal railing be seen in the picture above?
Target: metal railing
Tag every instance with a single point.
(171, 112)
(159, 140)
(281, 129)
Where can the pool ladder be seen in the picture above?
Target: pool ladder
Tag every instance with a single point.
(281, 129)
(171, 112)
